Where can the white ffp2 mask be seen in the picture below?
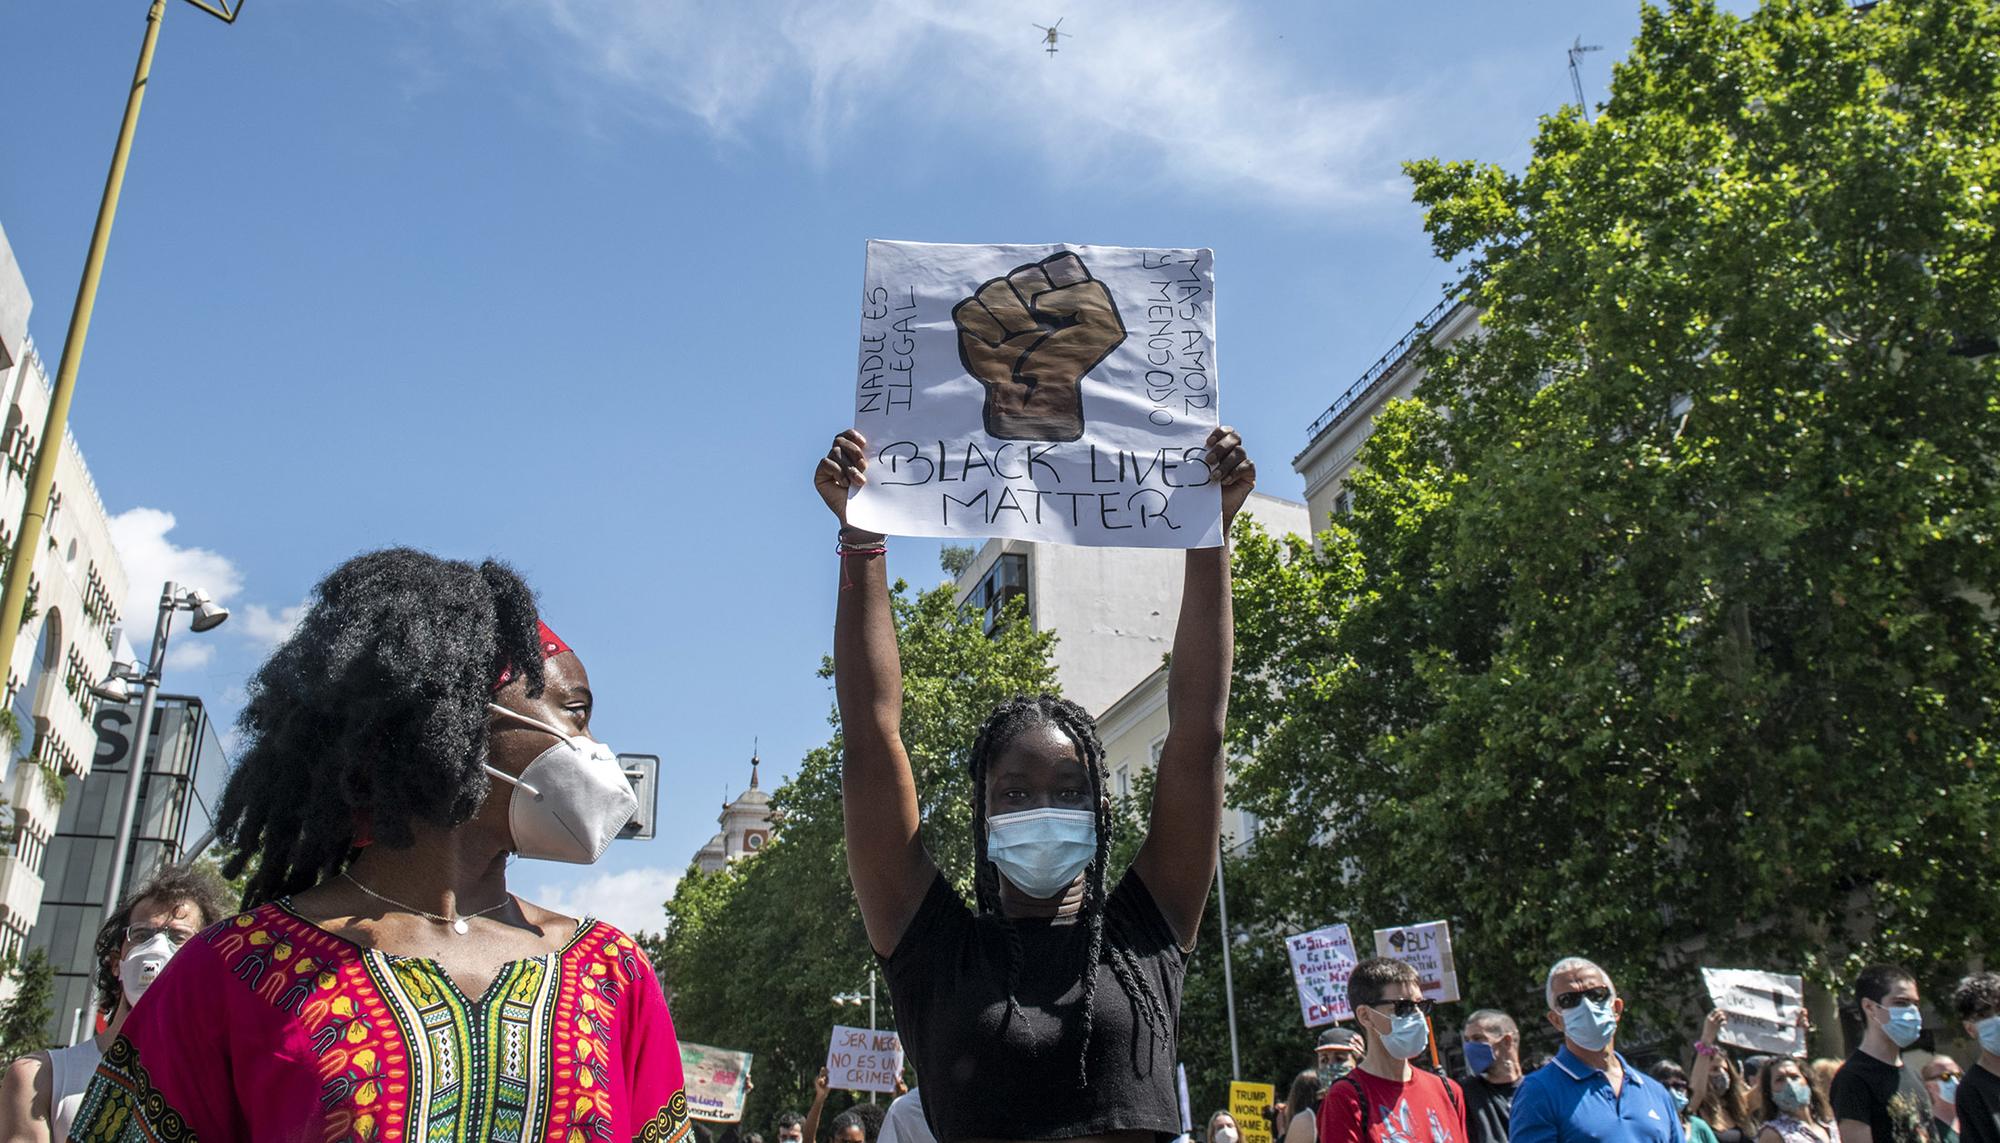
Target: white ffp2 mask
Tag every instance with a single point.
(142, 966)
(571, 801)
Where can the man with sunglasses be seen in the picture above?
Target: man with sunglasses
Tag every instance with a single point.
(41, 1091)
(1384, 1099)
(1588, 1093)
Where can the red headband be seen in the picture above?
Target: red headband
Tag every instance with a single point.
(552, 645)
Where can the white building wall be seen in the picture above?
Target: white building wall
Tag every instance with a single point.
(78, 580)
(1329, 457)
(1112, 609)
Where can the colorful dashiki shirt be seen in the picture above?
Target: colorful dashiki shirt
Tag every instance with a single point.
(267, 1028)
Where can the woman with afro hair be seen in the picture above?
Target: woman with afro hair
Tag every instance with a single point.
(1049, 1012)
(420, 728)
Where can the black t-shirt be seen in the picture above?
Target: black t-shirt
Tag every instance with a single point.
(991, 1073)
(1979, 1106)
(1488, 1107)
(1891, 1100)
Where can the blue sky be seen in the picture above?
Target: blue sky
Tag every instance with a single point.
(574, 282)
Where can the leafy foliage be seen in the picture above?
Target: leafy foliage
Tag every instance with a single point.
(24, 1017)
(1662, 629)
(753, 954)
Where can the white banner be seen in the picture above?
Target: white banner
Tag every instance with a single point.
(1060, 393)
(1763, 1009)
(1426, 948)
(1321, 963)
(860, 1060)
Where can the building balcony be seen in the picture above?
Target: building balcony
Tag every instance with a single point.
(33, 795)
(20, 893)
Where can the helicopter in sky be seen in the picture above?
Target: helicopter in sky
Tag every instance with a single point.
(1050, 34)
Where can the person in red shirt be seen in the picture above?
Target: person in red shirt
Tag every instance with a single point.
(1385, 1099)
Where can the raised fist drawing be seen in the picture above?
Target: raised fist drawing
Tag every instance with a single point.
(1030, 338)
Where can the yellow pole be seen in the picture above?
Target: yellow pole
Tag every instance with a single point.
(42, 477)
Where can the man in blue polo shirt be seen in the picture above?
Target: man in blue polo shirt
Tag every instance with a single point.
(1588, 1093)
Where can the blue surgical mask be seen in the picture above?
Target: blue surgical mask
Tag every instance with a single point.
(1042, 851)
(1407, 1036)
(1591, 1026)
(1792, 1095)
(1948, 1091)
(1680, 1099)
(1989, 1034)
(1478, 1057)
(1904, 1025)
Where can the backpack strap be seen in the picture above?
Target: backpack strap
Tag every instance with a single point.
(1361, 1101)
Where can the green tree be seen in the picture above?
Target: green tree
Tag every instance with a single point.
(24, 1018)
(754, 953)
(1662, 627)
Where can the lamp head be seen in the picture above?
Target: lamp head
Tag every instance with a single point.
(113, 688)
(208, 615)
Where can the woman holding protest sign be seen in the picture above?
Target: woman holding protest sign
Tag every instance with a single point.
(418, 730)
(1050, 1012)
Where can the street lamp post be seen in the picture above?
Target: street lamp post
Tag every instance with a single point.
(1228, 976)
(854, 998)
(42, 476)
(207, 617)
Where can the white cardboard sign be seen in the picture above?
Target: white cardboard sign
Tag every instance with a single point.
(1763, 1009)
(1426, 948)
(861, 1060)
(1321, 963)
(1060, 393)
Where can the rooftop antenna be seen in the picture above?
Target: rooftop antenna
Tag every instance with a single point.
(1576, 52)
(1050, 35)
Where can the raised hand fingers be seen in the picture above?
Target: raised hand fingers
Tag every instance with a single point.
(846, 461)
(1226, 457)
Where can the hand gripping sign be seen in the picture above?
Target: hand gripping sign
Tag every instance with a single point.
(1060, 393)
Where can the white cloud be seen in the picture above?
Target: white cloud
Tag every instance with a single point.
(190, 654)
(1165, 89)
(151, 559)
(268, 628)
(631, 899)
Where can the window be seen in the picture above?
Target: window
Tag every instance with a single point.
(1343, 503)
(1124, 781)
(1005, 580)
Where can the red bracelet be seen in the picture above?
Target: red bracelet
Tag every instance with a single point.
(843, 551)
(1704, 1048)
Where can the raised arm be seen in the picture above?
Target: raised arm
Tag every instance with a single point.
(1177, 860)
(885, 856)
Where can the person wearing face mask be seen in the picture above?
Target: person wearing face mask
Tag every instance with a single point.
(419, 729)
(41, 1092)
(1800, 1112)
(1385, 1099)
(1976, 1001)
(1941, 1077)
(1050, 1010)
(1717, 1096)
(1876, 1098)
(1589, 1093)
(1339, 1048)
(1492, 1045)
(1674, 1078)
(1222, 1129)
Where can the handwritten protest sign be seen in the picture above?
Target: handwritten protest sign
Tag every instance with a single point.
(1247, 1103)
(1059, 393)
(1426, 948)
(717, 1081)
(860, 1060)
(1321, 962)
(1763, 1009)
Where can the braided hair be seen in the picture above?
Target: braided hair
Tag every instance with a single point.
(373, 714)
(1000, 729)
